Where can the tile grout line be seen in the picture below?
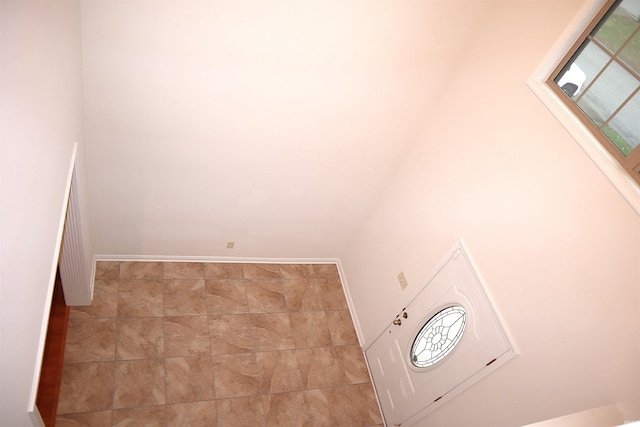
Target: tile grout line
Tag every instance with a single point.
(164, 351)
(211, 362)
(115, 349)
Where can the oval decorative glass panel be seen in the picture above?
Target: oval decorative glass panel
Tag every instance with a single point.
(438, 337)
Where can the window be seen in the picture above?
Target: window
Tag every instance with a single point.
(438, 337)
(599, 80)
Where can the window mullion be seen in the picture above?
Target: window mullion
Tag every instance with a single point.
(597, 76)
(621, 106)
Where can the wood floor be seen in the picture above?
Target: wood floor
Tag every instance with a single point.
(51, 373)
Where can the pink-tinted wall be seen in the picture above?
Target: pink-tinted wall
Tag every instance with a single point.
(41, 107)
(557, 246)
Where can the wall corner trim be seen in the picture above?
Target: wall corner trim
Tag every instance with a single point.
(52, 278)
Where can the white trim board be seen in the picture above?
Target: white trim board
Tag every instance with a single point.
(52, 279)
(236, 260)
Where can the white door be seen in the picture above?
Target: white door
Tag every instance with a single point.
(453, 353)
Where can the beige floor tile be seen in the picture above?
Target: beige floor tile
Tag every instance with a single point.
(140, 338)
(107, 270)
(326, 271)
(216, 344)
(261, 271)
(88, 419)
(353, 364)
(227, 296)
(222, 270)
(104, 303)
(137, 270)
(302, 294)
(86, 387)
(189, 379)
(186, 336)
(90, 340)
(286, 409)
(265, 296)
(332, 294)
(240, 411)
(341, 328)
(192, 414)
(183, 270)
(310, 329)
(364, 407)
(279, 371)
(150, 416)
(230, 333)
(140, 298)
(289, 271)
(184, 297)
(319, 367)
(139, 383)
(235, 375)
(271, 332)
(328, 407)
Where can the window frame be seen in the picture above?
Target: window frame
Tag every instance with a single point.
(602, 152)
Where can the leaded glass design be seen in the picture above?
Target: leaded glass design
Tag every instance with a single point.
(438, 337)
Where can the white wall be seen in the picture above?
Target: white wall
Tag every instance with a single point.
(41, 103)
(556, 245)
(269, 123)
(603, 416)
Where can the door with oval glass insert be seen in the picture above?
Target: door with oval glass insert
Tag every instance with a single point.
(445, 339)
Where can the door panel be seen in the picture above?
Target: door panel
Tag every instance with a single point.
(406, 391)
(385, 361)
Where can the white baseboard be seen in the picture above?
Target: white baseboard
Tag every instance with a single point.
(253, 260)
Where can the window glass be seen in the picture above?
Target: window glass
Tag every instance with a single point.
(602, 78)
(438, 337)
(624, 128)
(607, 93)
(629, 54)
(584, 69)
(618, 27)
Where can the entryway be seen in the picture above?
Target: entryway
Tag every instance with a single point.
(446, 338)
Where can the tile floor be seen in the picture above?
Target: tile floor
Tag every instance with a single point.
(215, 344)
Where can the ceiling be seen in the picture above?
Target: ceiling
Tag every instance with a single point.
(273, 124)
